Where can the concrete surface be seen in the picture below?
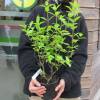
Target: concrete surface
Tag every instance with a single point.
(95, 94)
(11, 80)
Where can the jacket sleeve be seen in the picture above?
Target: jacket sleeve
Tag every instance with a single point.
(26, 56)
(72, 75)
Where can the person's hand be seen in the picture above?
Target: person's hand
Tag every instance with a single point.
(35, 87)
(60, 88)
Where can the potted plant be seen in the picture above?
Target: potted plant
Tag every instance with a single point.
(49, 40)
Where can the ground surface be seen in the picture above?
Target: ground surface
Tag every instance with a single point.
(96, 75)
(11, 80)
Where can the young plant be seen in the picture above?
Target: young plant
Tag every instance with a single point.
(49, 41)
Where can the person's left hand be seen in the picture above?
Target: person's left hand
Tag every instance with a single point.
(60, 88)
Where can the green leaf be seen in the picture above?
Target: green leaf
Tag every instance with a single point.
(56, 25)
(54, 8)
(58, 58)
(81, 34)
(49, 28)
(68, 61)
(40, 45)
(69, 8)
(46, 3)
(37, 24)
(74, 40)
(50, 58)
(70, 15)
(58, 39)
(57, 13)
(47, 9)
(77, 18)
(38, 19)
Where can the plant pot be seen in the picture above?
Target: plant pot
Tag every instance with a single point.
(50, 92)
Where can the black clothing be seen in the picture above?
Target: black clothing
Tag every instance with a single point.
(28, 62)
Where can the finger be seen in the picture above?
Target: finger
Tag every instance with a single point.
(61, 84)
(58, 87)
(42, 92)
(39, 95)
(36, 83)
(58, 95)
(35, 89)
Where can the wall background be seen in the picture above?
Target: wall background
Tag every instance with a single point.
(90, 81)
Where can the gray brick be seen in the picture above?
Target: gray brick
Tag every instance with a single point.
(92, 25)
(87, 3)
(90, 13)
(86, 82)
(90, 60)
(92, 48)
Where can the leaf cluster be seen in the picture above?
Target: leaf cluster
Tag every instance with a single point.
(49, 41)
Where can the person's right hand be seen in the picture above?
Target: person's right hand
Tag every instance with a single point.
(35, 87)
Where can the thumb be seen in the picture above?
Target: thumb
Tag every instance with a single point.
(61, 83)
(58, 87)
(36, 83)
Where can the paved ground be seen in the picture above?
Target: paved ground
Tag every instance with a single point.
(11, 80)
(96, 74)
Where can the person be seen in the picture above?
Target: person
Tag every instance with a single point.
(69, 86)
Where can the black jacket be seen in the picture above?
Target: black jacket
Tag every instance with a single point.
(28, 62)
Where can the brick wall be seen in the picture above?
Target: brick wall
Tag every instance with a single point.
(99, 26)
(90, 9)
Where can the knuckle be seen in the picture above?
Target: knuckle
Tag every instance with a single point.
(31, 89)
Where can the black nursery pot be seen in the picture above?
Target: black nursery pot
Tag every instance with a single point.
(50, 92)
